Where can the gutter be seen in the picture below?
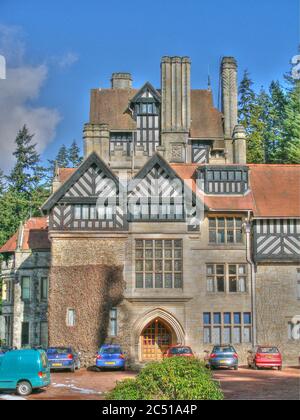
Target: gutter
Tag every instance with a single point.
(250, 261)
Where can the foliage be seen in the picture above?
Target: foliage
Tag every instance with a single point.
(172, 379)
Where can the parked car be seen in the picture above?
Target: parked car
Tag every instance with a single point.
(179, 351)
(223, 357)
(63, 358)
(23, 371)
(265, 357)
(111, 357)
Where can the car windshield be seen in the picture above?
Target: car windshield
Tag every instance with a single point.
(268, 350)
(225, 349)
(181, 350)
(111, 350)
(59, 350)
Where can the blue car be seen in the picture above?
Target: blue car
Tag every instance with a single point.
(63, 358)
(111, 357)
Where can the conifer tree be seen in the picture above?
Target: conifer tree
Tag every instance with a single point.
(75, 158)
(27, 172)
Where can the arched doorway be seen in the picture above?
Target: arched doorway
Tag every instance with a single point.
(156, 338)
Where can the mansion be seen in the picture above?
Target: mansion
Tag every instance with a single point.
(163, 235)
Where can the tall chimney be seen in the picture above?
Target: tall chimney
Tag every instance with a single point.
(229, 101)
(176, 106)
(121, 81)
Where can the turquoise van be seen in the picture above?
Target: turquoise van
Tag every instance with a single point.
(23, 371)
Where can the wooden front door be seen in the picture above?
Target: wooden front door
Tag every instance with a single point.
(156, 339)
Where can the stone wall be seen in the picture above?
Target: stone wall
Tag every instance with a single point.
(277, 305)
(87, 276)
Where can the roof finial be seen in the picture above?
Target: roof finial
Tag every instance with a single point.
(209, 80)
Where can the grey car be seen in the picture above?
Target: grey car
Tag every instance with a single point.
(223, 357)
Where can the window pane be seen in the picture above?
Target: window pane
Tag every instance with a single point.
(237, 335)
(178, 281)
(212, 223)
(216, 335)
(212, 236)
(168, 265)
(77, 212)
(220, 269)
(221, 222)
(158, 253)
(227, 335)
(159, 281)
(210, 270)
(221, 284)
(227, 318)
(247, 318)
(168, 253)
(149, 265)
(178, 253)
(242, 269)
(207, 335)
(247, 335)
(221, 236)
(233, 285)
(207, 318)
(25, 288)
(239, 236)
(168, 281)
(242, 284)
(149, 253)
(210, 284)
(139, 281)
(232, 269)
(230, 236)
(158, 265)
(149, 281)
(217, 318)
(237, 318)
(139, 266)
(178, 265)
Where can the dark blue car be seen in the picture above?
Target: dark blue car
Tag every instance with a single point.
(111, 357)
(63, 358)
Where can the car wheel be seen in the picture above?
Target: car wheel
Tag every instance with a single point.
(24, 389)
(280, 368)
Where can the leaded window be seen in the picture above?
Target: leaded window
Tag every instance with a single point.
(226, 278)
(159, 264)
(227, 328)
(226, 230)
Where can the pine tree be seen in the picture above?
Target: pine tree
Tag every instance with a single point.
(62, 158)
(27, 172)
(246, 100)
(276, 116)
(2, 183)
(291, 146)
(75, 158)
(250, 114)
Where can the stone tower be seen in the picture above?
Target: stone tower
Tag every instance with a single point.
(176, 106)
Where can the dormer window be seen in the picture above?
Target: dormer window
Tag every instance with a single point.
(224, 180)
(145, 107)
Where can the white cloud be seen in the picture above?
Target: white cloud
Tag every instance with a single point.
(67, 60)
(22, 86)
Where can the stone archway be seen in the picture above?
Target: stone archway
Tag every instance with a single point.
(155, 331)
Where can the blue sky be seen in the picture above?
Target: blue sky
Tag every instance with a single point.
(72, 46)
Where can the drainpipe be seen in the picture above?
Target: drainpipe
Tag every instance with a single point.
(250, 261)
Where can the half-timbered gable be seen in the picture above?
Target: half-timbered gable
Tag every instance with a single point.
(91, 200)
(158, 194)
(277, 240)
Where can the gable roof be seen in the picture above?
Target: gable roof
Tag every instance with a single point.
(109, 106)
(34, 236)
(149, 87)
(75, 176)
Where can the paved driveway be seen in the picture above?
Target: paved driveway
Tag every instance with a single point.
(242, 385)
(260, 385)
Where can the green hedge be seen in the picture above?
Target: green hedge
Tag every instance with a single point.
(171, 379)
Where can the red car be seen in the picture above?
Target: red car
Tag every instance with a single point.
(265, 357)
(179, 351)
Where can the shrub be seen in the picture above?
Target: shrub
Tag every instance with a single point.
(171, 379)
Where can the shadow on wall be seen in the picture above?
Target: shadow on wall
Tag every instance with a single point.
(91, 291)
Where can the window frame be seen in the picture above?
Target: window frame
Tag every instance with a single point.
(68, 324)
(218, 228)
(214, 277)
(162, 264)
(44, 297)
(26, 299)
(235, 325)
(113, 322)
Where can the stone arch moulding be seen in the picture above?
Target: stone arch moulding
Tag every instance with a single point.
(164, 315)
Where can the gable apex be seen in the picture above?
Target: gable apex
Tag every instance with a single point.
(92, 159)
(146, 88)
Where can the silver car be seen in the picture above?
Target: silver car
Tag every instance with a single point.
(223, 357)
